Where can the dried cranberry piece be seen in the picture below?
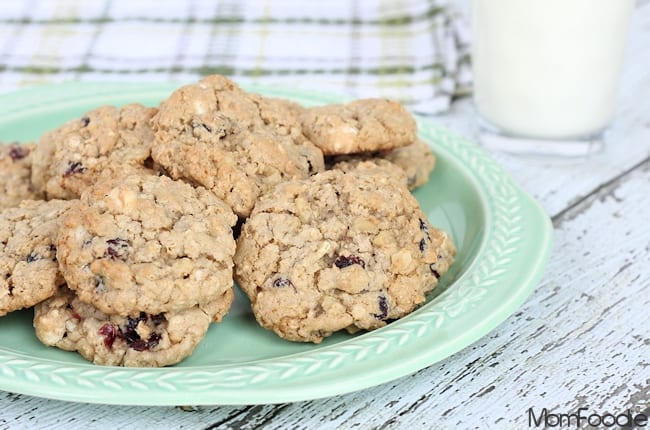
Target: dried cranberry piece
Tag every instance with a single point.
(383, 308)
(109, 331)
(132, 323)
(130, 333)
(117, 242)
(153, 340)
(73, 168)
(144, 345)
(133, 339)
(343, 261)
(116, 248)
(139, 345)
(282, 283)
(17, 152)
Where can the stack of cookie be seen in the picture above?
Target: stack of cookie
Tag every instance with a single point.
(125, 228)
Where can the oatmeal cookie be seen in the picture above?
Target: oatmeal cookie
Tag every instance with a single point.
(281, 115)
(416, 160)
(235, 144)
(139, 340)
(15, 174)
(29, 272)
(70, 158)
(147, 243)
(361, 125)
(379, 166)
(338, 251)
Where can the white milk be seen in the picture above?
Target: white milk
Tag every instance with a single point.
(548, 68)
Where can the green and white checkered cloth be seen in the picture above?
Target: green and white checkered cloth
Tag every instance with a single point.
(415, 51)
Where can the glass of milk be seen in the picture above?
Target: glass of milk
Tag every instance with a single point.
(546, 72)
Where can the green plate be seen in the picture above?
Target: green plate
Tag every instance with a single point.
(503, 239)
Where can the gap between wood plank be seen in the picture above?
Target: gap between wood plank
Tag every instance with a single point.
(560, 217)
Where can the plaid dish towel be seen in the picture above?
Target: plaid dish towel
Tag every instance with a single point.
(415, 51)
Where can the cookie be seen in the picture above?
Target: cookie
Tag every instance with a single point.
(29, 272)
(70, 158)
(147, 243)
(214, 134)
(361, 125)
(281, 115)
(338, 251)
(15, 173)
(417, 161)
(377, 165)
(139, 340)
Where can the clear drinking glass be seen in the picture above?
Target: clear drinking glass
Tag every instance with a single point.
(546, 72)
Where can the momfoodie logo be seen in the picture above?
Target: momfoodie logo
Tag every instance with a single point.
(583, 417)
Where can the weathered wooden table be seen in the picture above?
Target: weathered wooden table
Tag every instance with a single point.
(582, 340)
